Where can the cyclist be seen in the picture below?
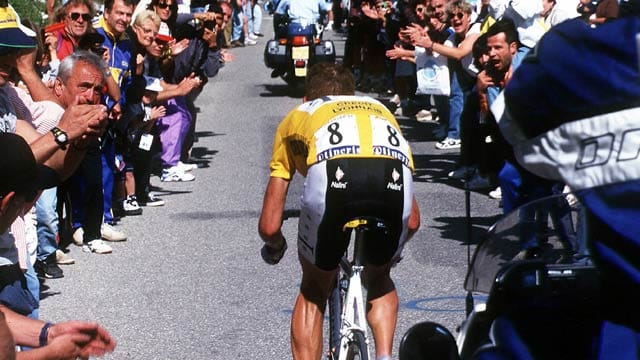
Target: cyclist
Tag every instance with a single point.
(356, 163)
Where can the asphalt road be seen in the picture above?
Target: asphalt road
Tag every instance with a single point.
(190, 284)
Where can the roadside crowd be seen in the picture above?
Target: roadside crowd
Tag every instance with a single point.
(444, 63)
(91, 105)
(431, 58)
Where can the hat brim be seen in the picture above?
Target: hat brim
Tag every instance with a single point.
(16, 38)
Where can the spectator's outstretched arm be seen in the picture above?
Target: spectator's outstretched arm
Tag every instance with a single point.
(66, 340)
(186, 86)
(25, 64)
(82, 123)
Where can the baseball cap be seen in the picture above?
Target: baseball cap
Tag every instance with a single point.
(20, 172)
(12, 33)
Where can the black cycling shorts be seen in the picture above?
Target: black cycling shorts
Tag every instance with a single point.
(341, 189)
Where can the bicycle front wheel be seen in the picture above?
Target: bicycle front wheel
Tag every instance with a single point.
(357, 349)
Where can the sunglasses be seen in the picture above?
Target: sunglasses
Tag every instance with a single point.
(420, 9)
(459, 15)
(75, 16)
(162, 5)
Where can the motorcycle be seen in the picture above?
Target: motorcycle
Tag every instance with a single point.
(541, 304)
(297, 46)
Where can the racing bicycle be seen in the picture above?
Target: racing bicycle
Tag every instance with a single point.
(348, 326)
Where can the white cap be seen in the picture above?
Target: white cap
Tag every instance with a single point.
(152, 84)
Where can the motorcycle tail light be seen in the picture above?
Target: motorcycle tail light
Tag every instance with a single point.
(299, 41)
(299, 63)
(282, 41)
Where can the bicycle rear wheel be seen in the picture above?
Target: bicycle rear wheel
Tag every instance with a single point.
(357, 349)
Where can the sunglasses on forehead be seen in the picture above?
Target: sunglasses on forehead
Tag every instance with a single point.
(75, 16)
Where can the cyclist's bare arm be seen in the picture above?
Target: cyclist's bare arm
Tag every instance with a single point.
(272, 208)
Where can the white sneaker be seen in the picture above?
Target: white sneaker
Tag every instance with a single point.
(109, 233)
(186, 167)
(63, 259)
(252, 36)
(130, 206)
(448, 143)
(78, 236)
(496, 194)
(424, 116)
(174, 173)
(97, 246)
(249, 41)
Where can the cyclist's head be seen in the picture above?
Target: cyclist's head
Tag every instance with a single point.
(326, 79)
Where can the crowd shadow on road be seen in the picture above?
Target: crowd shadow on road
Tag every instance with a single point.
(284, 89)
(201, 156)
(455, 228)
(45, 290)
(433, 168)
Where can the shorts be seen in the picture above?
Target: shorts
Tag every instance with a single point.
(338, 190)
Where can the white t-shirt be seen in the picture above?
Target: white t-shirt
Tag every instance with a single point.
(467, 61)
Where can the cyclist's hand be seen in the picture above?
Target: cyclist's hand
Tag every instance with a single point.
(273, 255)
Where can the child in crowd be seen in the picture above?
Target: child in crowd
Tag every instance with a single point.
(137, 124)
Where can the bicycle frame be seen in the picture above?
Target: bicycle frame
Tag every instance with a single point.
(353, 317)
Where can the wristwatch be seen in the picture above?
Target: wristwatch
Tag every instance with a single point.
(60, 137)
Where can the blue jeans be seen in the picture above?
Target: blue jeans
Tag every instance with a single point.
(47, 225)
(255, 20)
(456, 104)
(33, 284)
(443, 107)
(236, 33)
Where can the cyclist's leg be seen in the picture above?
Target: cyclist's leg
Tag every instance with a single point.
(382, 307)
(308, 312)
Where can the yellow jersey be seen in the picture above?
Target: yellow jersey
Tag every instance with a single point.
(336, 126)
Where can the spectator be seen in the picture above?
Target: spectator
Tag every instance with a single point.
(78, 125)
(458, 49)
(112, 25)
(19, 185)
(224, 37)
(587, 8)
(77, 23)
(255, 21)
(605, 11)
(137, 125)
(552, 13)
(202, 58)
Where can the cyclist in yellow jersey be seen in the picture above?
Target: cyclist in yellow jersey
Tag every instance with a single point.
(356, 163)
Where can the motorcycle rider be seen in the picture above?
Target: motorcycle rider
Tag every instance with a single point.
(299, 11)
(305, 12)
